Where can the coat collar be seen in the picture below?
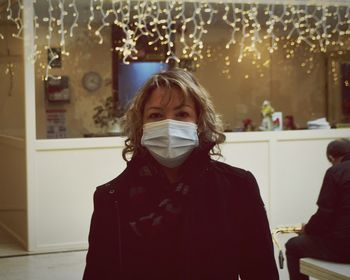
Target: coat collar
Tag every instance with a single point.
(143, 165)
(346, 157)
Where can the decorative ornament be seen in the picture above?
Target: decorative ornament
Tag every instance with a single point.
(266, 113)
(317, 27)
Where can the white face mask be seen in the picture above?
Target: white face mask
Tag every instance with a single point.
(170, 142)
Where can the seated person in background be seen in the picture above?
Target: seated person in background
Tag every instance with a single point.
(175, 213)
(327, 234)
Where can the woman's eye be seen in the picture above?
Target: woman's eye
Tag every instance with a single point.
(154, 115)
(182, 114)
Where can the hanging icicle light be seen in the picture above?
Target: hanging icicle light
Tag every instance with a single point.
(317, 27)
(73, 6)
(17, 20)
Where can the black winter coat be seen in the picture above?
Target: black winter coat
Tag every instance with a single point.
(225, 231)
(332, 219)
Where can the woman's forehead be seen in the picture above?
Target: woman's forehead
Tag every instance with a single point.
(164, 96)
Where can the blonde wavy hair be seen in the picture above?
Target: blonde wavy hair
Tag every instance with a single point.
(210, 129)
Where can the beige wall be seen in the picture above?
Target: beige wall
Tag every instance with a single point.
(295, 86)
(11, 92)
(13, 205)
(85, 55)
(334, 85)
(13, 192)
(282, 81)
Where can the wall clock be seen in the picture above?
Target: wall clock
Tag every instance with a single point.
(92, 81)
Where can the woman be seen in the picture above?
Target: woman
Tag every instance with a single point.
(175, 213)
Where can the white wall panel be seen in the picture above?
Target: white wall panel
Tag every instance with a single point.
(251, 156)
(289, 167)
(298, 178)
(66, 181)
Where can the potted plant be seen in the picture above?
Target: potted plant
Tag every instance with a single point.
(108, 115)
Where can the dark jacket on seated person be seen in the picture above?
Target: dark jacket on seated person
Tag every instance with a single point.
(332, 219)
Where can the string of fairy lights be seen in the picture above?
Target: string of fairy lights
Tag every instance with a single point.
(182, 27)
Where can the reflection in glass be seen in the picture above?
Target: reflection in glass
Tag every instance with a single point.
(243, 53)
(133, 75)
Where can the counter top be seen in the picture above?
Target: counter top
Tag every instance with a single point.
(238, 137)
(323, 270)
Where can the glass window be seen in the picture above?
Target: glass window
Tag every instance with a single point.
(138, 73)
(293, 57)
(11, 73)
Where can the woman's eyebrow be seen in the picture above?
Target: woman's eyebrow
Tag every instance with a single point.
(183, 105)
(154, 108)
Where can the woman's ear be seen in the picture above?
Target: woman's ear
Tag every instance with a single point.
(330, 158)
(334, 160)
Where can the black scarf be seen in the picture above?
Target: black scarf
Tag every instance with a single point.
(155, 204)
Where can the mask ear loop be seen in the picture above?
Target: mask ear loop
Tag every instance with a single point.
(199, 133)
(199, 130)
